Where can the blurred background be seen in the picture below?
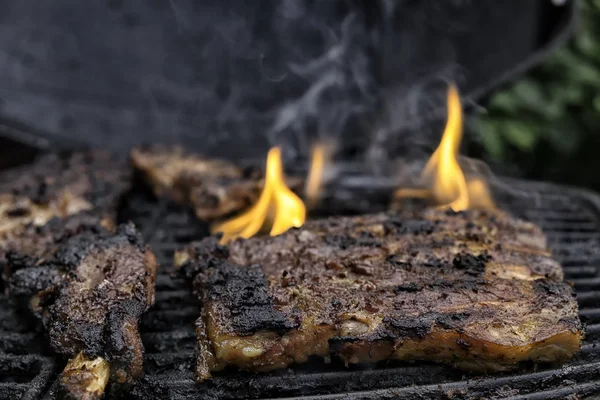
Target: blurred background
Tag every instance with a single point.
(547, 123)
(232, 78)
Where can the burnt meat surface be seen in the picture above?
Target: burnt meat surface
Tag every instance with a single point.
(89, 285)
(214, 188)
(475, 290)
(63, 184)
(59, 185)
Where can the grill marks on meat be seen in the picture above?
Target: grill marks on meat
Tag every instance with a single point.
(89, 286)
(214, 188)
(475, 290)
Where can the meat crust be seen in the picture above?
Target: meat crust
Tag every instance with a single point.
(60, 185)
(214, 188)
(89, 286)
(475, 290)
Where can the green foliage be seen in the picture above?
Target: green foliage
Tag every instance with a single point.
(558, 102)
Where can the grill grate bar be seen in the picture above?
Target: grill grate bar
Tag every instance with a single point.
(567, 238)
(582, 389)
(10, 320)
(290, 383)
(39, 368)
(553, 209)
(348, 381)
(570, 261)
(553, 212)
(581, 284)
(164, 281)
(562, 226)
(588, 299)
(19, 343)
(580, 272)
(168, 300)
(590, 314)
(592, 332)
(589, 352)
(483, 388)
(585, 253)
(174, 341)
(12, 390)
(165, 321)
(157, 363)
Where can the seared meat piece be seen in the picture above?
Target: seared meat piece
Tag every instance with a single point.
(475, 290)
(214, 188)
(58, 186)
(89, 286)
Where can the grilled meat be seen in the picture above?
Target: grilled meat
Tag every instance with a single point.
(214, 188)
(58, 186)
(85, 379)
(475, 290)
(89, 286)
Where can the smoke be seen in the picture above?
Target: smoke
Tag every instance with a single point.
(287, 73)
(419, 60)
(294, 72)
(341, 95)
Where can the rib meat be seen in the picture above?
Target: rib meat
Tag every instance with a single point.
(474, 290)
(214, 188)
(89, 286)
(59, 185)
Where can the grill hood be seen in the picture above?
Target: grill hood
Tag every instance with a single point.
(232, 78)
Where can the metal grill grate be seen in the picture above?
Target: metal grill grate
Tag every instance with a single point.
(570, 218)
(25, 370)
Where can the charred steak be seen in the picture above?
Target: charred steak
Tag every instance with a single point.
(214, 188)
(89, 286)
(475, 290)
(59, 185)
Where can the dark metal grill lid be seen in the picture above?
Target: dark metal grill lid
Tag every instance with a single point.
(230, 78)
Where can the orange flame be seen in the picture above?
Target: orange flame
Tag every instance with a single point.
(321, 155)
(276, 203)
(443, 176)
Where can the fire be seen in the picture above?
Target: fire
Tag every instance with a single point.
(320, 158)
(277, 204)
(315, 175)
(479, 195)
(443, 175)
(443, 178)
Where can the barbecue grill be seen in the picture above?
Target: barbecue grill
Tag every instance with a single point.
(570, 217)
